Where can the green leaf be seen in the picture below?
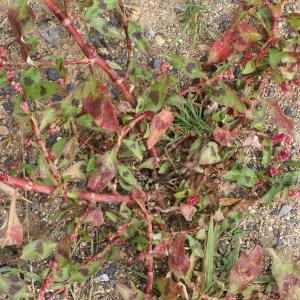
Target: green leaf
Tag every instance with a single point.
(271, 193)
(108, 4)
(15, 289)
(287, 276)
(126, 174)
(209, 154)
(33, 87)
(82, 272)
(164, 168)
(137, 72)
(49, 117)
(136, 33)
(290, 178)
(3, 79)
(228, 98)
(275, 57)
(249, 68)
(92, 16)
(91, 164)
(267, 151)
(195, 246)
(294, 20)
(244, 176)
(38, 249)
(209, 255)
(134, 147)
(189, 67)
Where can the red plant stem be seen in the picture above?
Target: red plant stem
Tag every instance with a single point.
(39, 140)
(48, 280)
(81, 195)
(101, 253)
(56, 293)
(125, 27)
(131, 125)
(89, 51)
(42, 146)
(149, 258)
(81, 220)
(189, 230)
(180, 141)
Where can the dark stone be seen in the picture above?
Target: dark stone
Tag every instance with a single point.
(156, 63)
(114, 92)
(31, 160)
(7, 90)
(237, 71)
(9, 162)
(52, 35)
(52, 74)
(271, 94)
(111, 269)
(33, 206)
(81, 184)
(51, 140)
(57, 97)
(98, 39)
(121, 60)
(179, 10)
(8, 106)
(223, 22)
(70, 87)
(289, 111)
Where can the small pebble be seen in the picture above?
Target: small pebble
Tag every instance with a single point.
(8, 106)
(152, 33)
(289, 111)
(271, 94)
(51, 140)
(57, 97)
(52, 74)
(70, 87)
(4, 131)
(285, 209)
(52, 35)
(159, 40)
(103, 278)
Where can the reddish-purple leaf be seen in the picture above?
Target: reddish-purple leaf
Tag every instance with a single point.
(223, 136)
(221, 48)
(95, 217)
(188, 211)
(246, 269)
(169, 290)
(102, 110)
(178, 262)
(12, 233)
(240, 38)
(252, 141)
(287, 276)
(106, 170)
(281, 119)
(22, 19)
(159, 125)
(160, 249)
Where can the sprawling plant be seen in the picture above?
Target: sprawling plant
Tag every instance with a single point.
(159, 147)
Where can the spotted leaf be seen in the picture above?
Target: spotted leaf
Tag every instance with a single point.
(38, 249)
(246, 269)
(178, 262)
(106, 170)
(159, 125)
